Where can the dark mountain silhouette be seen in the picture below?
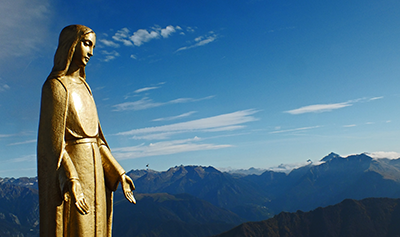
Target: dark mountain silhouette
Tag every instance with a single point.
(258, 197)
(355, 177)
(242, 196)
(204, 201)
(19, 208)
(373, 217)
(164, 214)
(159, 214)
(208, 183)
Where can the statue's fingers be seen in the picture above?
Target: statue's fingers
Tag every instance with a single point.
(131, 198)
(128, 196)
(79, 207)
(85, 206)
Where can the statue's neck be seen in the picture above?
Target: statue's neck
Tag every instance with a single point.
(75, 72)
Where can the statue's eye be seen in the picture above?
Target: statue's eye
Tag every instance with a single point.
(87, 43)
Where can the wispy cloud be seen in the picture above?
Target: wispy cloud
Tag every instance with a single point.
(21, 143)
(287, 168)
(140, 36)
(165, 148)
(200, 41)
(146, 89)
(3, 86)
(144, 103)
(109, 55)
(384, 154)
(165, 33)
(147, 103)
(26, 158)
(230, 121)
(23, 26)
(295, 129)
(184, 115)
(319, 108)
(376, 98)
(349, 125)
(123, 36)
(109, 43)
(7, 135)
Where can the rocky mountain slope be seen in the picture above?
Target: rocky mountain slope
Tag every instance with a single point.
(204, 201)
(373, 217)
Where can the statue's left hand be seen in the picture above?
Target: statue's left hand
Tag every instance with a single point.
(128, 187)
(80, 201)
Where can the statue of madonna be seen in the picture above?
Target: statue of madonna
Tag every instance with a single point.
(77, 173)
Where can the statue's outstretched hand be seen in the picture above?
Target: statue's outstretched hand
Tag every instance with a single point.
(79, 198)
(128, 187)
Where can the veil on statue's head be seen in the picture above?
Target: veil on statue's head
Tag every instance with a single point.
(70, 36)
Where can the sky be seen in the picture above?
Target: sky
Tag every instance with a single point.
(229, 84)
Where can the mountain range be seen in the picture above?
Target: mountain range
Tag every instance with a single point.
(372, 217)
(258, 197)
(203, 201)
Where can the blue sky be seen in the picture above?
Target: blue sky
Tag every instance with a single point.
(236, 84)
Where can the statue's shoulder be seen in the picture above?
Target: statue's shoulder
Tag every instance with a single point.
(56, 84)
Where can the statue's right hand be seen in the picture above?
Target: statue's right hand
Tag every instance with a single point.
(79, 198)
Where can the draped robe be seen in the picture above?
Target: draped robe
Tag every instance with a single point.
(70, 133)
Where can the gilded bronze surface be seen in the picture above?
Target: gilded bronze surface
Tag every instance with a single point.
(76, 170)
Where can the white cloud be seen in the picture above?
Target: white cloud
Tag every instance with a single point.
(23, 27)
(164, 148)
(3, 86)
(226, 128)
(23, 159)
(186, 100)
(295, 129)
(141, 36)
(155, 136)
(376, 98)
(144, 103)
(146, 89)
(123, 36)
(287, 168)
(109, 55)
(319, 108)
(147, 103)
(7, 135)
(200, 41)
(222, 122)
(175, 117)
(349, 126)
(109, 43)
(24, 142)
(165, 33)
(384, 154)
(190, 29)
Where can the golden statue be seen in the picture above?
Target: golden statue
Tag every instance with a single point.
(76, 171)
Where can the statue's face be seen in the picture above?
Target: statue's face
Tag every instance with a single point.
(84, 50)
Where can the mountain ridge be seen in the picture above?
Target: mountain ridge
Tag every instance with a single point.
(237, 198)
(371, 217)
